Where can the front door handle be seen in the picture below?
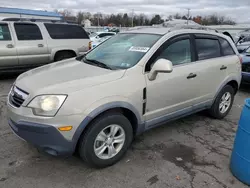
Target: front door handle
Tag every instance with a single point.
(40, 45)
(10, 46)
(191, 75)
(223, 67)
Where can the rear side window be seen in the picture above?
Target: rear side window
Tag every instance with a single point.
(65, 31)
(26, 31)
(226, 47)
(4, 32)
(207, 48)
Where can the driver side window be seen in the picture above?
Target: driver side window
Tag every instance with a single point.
(177, 52)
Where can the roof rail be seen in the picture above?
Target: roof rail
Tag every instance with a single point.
(32, 20)
(198, 27)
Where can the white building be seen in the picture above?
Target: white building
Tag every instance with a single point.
(86, 23)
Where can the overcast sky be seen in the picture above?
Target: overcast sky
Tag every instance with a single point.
(238, 10)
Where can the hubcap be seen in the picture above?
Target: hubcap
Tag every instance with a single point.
(109, 141)
(225, 102)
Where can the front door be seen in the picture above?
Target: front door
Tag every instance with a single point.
(172, 93)
(8, 52)
(32, 49)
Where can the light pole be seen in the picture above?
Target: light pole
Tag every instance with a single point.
(188, 15)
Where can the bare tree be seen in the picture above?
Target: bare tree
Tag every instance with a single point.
(80, 17)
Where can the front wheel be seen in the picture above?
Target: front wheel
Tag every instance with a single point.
(106, 140)
(223, 102)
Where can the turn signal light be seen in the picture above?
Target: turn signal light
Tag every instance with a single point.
(66, 128)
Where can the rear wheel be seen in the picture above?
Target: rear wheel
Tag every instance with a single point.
(64, 55)
(106, 140)
(223, 102)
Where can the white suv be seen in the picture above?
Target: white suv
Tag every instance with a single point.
(133, 82)
(26, 44)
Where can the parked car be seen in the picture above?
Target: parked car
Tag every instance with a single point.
(246, 66)
(137, 80)
(98, 35)
(30, 44)
(99, 41)
(243, 44)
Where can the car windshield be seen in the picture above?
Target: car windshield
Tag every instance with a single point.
(123, 50)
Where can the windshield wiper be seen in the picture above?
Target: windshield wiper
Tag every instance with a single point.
(97, 63)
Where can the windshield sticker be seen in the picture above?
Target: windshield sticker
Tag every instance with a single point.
(138, 49)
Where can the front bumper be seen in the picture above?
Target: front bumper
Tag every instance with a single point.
(46, 137)
(43, 131)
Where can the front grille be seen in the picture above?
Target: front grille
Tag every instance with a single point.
(17, 96)
(246, 67)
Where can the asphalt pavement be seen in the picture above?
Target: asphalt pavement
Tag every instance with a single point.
(193, 152)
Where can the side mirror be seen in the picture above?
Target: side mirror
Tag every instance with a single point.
(97, 37)
(160, 66)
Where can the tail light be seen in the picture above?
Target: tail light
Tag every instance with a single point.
(90, 45)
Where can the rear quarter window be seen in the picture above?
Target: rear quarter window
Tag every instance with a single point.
(226, 47)
(66, 31)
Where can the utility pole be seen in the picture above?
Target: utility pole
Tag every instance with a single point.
(98, 19)
(188, 15)
(132, 17)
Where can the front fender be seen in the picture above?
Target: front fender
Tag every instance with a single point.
(94, 112)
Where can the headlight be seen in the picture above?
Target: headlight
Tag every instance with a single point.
(47, 105)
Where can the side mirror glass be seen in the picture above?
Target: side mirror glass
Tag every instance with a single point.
(160, 66)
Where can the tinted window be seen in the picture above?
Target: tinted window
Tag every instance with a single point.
(226, 47)
(4, 32)
(27, 31)
(66, 31)
(207, 48)
(105, 34)
(178, 52)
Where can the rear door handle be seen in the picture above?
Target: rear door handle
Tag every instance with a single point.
(40, 45)
(10, 46)
(223, 67)
(191, 75)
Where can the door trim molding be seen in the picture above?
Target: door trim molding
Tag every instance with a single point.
(178, 114)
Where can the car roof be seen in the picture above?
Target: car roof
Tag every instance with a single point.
(176, 30)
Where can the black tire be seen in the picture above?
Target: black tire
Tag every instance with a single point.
(63, 55)
(214, 110)
(87, 141)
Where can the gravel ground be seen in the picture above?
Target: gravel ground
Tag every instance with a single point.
(192, 152)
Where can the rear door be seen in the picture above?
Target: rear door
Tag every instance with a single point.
(32, 49)
(8, 53)
(210, 67)
(231, 60)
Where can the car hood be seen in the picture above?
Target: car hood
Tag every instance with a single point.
(65, 77)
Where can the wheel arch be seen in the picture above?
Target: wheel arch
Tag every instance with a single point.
(232, 82)
(125, 108)
(59, 50)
